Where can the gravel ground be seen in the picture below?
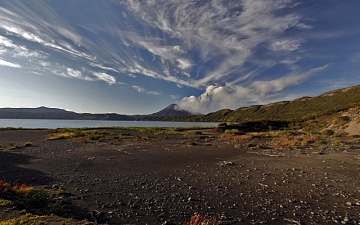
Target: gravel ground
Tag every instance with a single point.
(165, 179)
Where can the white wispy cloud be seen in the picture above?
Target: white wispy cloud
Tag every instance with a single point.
(183, 64)
(32, 27)
(97, 65)
(6, 42)
(153, 93)
(49, 33)
(174, 97)
(2, 50)
(19, 51)
(285, 45)
(142, 90)
(74, 73)
(276, 85)
(9, 64)
(83, 74)
(23, 52)
(225, 34)
(105, 77)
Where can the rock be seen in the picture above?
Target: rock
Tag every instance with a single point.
(226, 163)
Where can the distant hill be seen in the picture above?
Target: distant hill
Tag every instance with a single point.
(172, 110)
(299, 109)
(41, 109)
(36, 113)
(55, 113)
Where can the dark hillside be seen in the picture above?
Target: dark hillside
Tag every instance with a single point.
(36, 113)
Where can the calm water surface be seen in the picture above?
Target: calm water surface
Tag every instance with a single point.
(52, 124)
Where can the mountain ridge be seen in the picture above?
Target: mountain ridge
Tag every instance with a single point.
(43, 112)
(296, 110)
(299, 109)
(41, 109)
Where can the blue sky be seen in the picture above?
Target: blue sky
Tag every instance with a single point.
(138, 56)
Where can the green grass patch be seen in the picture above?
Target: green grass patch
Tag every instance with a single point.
(30, 219)
(152, 130)
(31, 200)
(79, 133)
(6, 203)
(13, 146)
(232, 131)
(27, 219)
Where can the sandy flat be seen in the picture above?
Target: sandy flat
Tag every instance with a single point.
(166, 179)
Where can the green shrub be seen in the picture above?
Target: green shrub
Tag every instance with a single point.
(222, 125)
(196, 132)
(180, 129)
(31, 200)
(320, 143)
(95, 137)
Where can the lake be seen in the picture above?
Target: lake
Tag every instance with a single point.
(53, 124)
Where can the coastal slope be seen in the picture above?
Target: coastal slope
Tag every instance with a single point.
(300, 109)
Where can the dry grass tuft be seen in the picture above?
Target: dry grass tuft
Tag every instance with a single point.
(293, 141)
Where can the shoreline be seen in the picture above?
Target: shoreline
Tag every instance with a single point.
(57, 124)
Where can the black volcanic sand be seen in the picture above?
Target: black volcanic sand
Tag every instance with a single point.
(163, 179)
